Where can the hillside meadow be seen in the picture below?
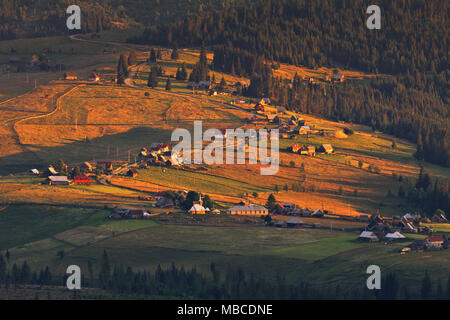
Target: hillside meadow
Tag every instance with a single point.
(321, 257)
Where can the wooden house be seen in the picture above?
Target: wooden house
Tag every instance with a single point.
(70, 76)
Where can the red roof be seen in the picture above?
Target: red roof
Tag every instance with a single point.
(81, 178)
(435, 239)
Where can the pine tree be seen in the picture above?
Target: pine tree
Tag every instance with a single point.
(105, 271)
(426, 288)
(152, 79)
(153, 55)
(168, 85)
(122, 69)
(174, 55)
(271, 202)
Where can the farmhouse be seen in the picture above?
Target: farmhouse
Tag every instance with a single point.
(311, 150)
(368, 236)
(86, 166)
(51, 171)
(294, 223)
(251, 209)
(70, 76)
(438, 218)
(303, 130)
(57, 180)
(326, 148)
(272, 118)
(264, 101)
(296, 148)
(132, 173)
(107, 165)
(339, 77)
(281, 110)
(259, 107)
(394, 236)
(94, 77)
(82, 181)
(160, 147)
(434, 242)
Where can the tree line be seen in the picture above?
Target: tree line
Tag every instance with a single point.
(226, 283)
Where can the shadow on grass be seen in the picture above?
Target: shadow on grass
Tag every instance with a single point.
(110, 147)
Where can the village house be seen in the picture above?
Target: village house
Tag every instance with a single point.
(296, 148)
(304, 130)
(133, 173)
(165, 203)
(368, 236)
(326, 148)
(57, 181)
(339, 77)
(259, 107)
(70, 76)
(281, 110)
(107, 165)
(51, 171)
(394, 236)
(251, 209)
(264, 101)
(311, 150)
(434, 242)
(159, 147)
(272, 118)
(94, 77)
(294, 223)
(86, 166)
(82, 181)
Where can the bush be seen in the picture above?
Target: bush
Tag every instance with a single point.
(348, 131)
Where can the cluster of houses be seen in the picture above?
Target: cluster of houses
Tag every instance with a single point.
(435, 242)
(385, 229)
(311, 150)
(54, 178)
(160, 154)
(126, 213)
(19, 64)
(335, 78)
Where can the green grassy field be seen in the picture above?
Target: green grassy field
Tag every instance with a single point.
(197, 181)
(322, 257)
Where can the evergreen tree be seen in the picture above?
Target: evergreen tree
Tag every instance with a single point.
(175, 54)
(105, 271)
(271, 202)
(426, 289)
(122, 69)
(168, 85)
(153, 55)
(152, 79)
